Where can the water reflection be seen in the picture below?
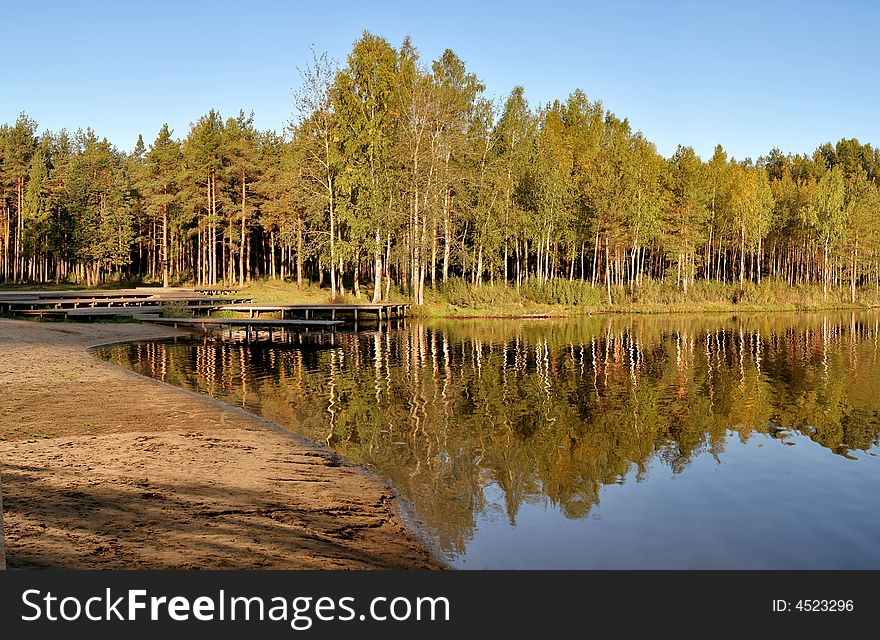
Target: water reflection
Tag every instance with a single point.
(480, 422)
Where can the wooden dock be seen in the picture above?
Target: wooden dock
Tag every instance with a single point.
(47, 303)
(252, 327)
(214, 291)
(147, 304)
(382, 310)
(76, 293)
(84, 303)
(92, 313)
(240, 322)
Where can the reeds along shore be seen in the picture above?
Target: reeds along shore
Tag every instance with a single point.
(569, 297)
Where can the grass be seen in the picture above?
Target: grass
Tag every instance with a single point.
(109, 284)
(175, 309)
(457, 298)
(282, 292)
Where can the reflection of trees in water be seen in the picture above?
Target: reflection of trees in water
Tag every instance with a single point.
(545, 411)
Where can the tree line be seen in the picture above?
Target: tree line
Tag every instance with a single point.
(395, 175)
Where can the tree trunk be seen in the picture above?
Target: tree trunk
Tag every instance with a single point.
(825, 271)
(332, 242)
(299, 252)
(377, 269)
(243, 222)
(607, 272)
(165, 241)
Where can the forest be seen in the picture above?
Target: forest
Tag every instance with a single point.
(395, 176)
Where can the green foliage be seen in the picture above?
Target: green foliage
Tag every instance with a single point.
(559, 291)
(458, 292)
(400, 177)
(175, 310)
(457, 296)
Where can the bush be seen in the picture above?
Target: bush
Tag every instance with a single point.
(459, 292)
(175, 310)
(575, 293)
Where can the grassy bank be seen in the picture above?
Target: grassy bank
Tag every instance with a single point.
(562, 297)
(459, 299)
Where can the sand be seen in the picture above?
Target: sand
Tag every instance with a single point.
(102, 468)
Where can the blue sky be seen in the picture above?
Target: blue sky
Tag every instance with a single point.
(749, 75)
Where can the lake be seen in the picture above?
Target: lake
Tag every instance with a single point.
(705, 441)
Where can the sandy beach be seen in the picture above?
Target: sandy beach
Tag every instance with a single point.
(102, 468)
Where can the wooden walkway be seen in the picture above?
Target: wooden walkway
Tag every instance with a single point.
(252, 327)
(213, 291)
(76, 293)
(148, 304)
(240, 322)
(94, 312)
(47, 302)
(388, 310)
(14, 306)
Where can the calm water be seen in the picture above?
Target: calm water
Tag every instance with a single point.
(612, 442)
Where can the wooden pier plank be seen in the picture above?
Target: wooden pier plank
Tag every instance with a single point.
(243, 322)
(111, 311)
(387, 310)
(28, 303)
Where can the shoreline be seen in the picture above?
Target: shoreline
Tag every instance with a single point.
(2, 537)
(82, 491)
(462, 313)
(400, 505)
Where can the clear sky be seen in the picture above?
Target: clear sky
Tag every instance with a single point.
(749, 75)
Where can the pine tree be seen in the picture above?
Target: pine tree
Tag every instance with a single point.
(163, 165)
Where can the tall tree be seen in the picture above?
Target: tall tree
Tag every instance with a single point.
(241, 141)
(515, 133)
(203, 158)
(17, 145)
(319, 132)
(365, 97)
(163, 161)
(830, 215)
